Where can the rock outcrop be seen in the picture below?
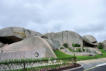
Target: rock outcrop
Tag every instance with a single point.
(20, 43)
(54, 44)
(68, 37)
(104, 44)
(18, 32)
(14, 34)
(89, 40)
(32, 47)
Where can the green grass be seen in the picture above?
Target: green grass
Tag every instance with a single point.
(24, 62)
(71, 50)
(38, 68)
(77, 50)
(103, 51)
(92, 57)
(61, 54)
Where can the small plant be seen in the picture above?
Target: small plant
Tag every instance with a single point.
(71, 49)
(100, 46)
(76, 45)
(65, 45)
(83, 49)
(61, 47)
(78, 50)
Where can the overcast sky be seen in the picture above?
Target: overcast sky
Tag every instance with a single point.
(81, 16)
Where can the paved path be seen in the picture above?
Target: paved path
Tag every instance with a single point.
(91, 63)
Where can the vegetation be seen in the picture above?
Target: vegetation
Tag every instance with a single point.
(25, 62)
(61, 54)
(76, 45)
(100, 46)
(83, 49)
(61, 47)
(40, 68)
(22, 61)
(71, 50)
(66, 45)
(78, 50)
(92, 57)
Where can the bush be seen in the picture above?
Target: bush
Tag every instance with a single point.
(100, 46)
(78, 50)
(76, 45)
(71, 49)
(61, 54)
(65, 45)
(61, 47)
(83, 49)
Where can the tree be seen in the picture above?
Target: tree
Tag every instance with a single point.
(76, 45)
(100, 46)
(66, 45)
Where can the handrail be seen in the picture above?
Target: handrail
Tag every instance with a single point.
(25, 63)
(35, 60)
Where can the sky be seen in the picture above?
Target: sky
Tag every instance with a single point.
(86, 17)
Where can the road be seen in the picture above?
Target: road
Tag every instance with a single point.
(90, 65)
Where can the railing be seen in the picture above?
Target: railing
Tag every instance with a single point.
(47, 64)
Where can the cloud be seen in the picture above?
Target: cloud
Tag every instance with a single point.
(81, 16)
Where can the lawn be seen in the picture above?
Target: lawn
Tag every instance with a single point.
(60, 54)
(38, 68)
(63, 55)
(92, 57)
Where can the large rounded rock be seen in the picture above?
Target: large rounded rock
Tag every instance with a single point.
(14, 34)
(90, 40)
(54, 44)
(66, 37)
(33, 47)
(17, 32)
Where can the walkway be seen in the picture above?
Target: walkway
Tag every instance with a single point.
(92, 63)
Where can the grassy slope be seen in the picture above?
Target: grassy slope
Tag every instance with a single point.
(61, 54)
(92, 57)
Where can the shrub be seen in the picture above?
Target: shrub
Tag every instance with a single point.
(71, 49)
(83, 49)
(65, 45)
(78, 50)
(61, 47)
(76, 45)
(100, 46)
